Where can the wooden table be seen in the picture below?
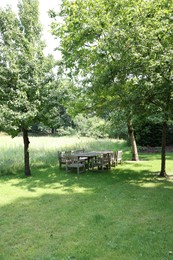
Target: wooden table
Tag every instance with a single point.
(90, 155)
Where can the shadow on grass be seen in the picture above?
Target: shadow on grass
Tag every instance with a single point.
(55, 178)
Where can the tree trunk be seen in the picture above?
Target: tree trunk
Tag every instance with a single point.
(135, 156)
(163, 152)
(26, 152)
(53, 130)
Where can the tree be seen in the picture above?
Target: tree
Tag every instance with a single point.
(151, 45)
(124, 50)
(23, 70)
(86, 45)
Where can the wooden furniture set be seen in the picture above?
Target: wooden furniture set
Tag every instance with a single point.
(82, 160)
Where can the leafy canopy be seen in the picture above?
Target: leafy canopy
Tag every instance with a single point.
(22, 66)
(122, 50)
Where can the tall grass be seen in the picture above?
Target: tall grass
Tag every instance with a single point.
(43, 150)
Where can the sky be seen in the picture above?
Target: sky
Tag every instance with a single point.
(45, 5)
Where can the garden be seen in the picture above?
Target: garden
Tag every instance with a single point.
(111, 89)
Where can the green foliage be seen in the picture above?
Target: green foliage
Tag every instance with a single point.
(68, 131)
(91, 126)
(124, 57)
(55, 96)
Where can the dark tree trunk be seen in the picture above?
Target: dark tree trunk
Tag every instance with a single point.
(26, 152)
(135, 156)
(53, 130)
(163, 155)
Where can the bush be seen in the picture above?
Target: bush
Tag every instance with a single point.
(65, 131)
(90, 126)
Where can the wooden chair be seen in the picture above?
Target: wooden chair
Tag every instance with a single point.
(101, 161)
(72, 162)
(82, 158)
(118, 157)
(78, 151)
(62, 157)
(113, 159)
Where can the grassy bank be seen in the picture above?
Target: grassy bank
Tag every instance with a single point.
(125, 213)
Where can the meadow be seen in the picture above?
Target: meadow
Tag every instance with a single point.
(125, 213)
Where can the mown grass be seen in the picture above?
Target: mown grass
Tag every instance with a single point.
(125, 213)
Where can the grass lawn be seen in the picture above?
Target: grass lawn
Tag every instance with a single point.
(125, 213)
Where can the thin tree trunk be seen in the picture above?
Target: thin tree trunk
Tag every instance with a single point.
(26, 152)
(135, 156)
(163, 152)
(53, 130)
